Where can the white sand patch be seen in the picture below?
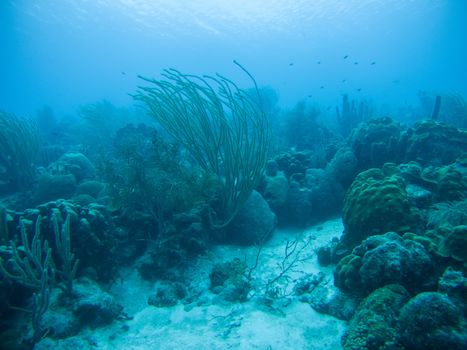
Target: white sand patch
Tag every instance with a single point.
(131, 291)
(230, 327)
(214, 324)
(301, 328)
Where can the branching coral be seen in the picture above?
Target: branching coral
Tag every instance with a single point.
(352, 113)
(222, 127)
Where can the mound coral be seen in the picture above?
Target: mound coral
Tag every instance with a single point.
(434, 142)
(376, 142)
(432, 321)
(374, 204)
(381, 260)
(373, 325)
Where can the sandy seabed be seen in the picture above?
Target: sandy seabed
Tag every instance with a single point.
(212, 323)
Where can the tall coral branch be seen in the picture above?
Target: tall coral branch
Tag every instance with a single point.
(27, 263)
(222, 127)
(69, 264)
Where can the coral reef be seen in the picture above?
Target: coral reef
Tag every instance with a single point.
(376, 142)
(352, 113)
(377, 203)
(228, 135)
(374, 325)
(275, 193)
(454, 284)
(432, 142)
(302, 131)
(342, 168)
(430, 320)
(253, 224)
(179, 216)
(52, 187)
(229, 281)
(385, 259)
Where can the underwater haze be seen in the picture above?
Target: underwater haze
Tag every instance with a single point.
(233, 174)
(65, 53)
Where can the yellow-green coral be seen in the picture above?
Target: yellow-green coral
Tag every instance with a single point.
(374, 204)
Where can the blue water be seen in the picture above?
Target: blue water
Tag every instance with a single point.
(66, 53)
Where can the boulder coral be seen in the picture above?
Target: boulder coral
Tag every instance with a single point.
(275, 192)
(449, 182)
(374, 324)
(431, 321)
(432, 142)
(254, 223)
(450, 242)
(374, 204)
(375, 142)
(382, 260)
(74, 163)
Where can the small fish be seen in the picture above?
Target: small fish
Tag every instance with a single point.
(359, 89)
(321, 87)
(355, 63)
(396, 81)
(291, 64)
(122, 73)
(344, 80)
(373, 63)
(310, 96)
(319, 62)
(345, 57)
